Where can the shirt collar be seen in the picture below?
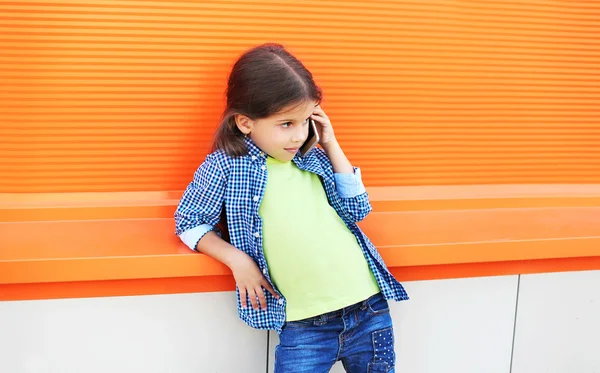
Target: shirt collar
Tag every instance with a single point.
(253, 150)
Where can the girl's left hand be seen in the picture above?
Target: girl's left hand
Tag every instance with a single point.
(324, 126)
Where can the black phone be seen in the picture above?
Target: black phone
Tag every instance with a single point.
(312, 140)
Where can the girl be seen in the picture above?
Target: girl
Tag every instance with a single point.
(302, 265)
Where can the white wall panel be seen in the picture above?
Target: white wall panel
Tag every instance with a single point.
(558, 323)
(186, 333)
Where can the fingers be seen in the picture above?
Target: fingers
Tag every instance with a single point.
(318, 116)
(257, 296)
(318, 119)
(270, 289)
(243, 296)
(261, 298)
(252, 296)
(319, 112)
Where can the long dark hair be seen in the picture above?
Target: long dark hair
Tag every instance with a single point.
(264, 80)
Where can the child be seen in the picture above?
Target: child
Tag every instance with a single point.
(302, 265)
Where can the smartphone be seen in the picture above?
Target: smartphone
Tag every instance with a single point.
(312, 140)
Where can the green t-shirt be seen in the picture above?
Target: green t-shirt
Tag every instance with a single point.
(314, 259)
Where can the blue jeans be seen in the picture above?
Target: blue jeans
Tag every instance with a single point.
(361, 336)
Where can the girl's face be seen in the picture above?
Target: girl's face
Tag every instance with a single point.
(282, 134)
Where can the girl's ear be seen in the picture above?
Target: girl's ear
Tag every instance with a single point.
(244, 124)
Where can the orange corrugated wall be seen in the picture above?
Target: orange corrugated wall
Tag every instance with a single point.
(125, 95)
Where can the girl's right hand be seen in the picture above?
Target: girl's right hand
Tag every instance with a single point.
(250, 281)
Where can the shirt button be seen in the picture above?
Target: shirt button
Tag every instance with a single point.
(253, 157)
(280, 301)
(264, 271)
(263, 168)
(257, 234)
(256, 198)
(262, 154)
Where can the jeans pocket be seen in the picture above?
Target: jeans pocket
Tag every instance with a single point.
(377, 305)
(383, 350)
(379, 368)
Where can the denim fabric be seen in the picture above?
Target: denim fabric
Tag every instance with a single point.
(361, 336)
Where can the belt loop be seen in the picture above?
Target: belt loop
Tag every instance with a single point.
(365, 304)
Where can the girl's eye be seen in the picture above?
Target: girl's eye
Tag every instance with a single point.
(286, 124)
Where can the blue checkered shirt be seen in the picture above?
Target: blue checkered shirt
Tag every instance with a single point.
(238, 184)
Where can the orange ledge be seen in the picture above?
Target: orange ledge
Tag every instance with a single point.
(123, 244)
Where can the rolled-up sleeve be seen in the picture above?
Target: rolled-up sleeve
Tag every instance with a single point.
(353, 194)
(199, 209)
(349, 185)
(192, 236)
